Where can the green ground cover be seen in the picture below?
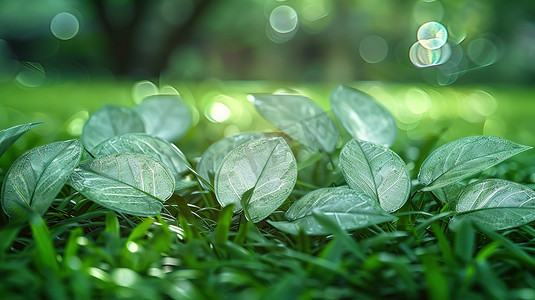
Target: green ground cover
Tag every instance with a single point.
(196, 250)
(464, 110)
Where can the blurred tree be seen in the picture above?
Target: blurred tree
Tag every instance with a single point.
(138, 50)
(236, 40)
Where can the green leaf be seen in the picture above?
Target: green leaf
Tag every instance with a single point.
(363, 117)
(449, 193)
(463, 158)
(11, 135)
(37, 176)
(154, 147)
(135, 184)
(349, 208)
(213, 156)
(300, 118)
(185, 183)
(377, 172)
(495, 204)
(107, 122)
(165, 116)
(267, 167)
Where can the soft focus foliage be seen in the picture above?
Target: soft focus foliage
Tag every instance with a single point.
(298, 40)
(204, 149)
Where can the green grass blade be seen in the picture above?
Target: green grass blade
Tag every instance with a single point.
(437, 285)
(112, 224)
(71, 246)
(490, 281)
(464, 245)
(443, 244)
(45, 251)
(333, 227)
(244, 228)
(223, 224)
(520, 254)
(140, 230)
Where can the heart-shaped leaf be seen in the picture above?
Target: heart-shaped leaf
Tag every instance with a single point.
(266, 168)
(363, 117)
(350, 209)
(37, 176)
(136, 184)
(463, 158)
(377, 172)
(165, 116)
(154, 147)
(496, 204)
(213, 156)
(107, 122)
(300, 118)
(10, 135)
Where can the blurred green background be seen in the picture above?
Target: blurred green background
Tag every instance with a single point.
(61, 60)
(294, 40)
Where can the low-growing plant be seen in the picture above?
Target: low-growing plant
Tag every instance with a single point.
(302, 184)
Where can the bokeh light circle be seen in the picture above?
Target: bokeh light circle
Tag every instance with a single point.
(456, 32)
(143, 89)
(278, 37)
(423, 57)
(76, 123)
(32, 75)
(482, 103)
(124, 277)
(494, 127)
(445, 54)
(283, 19)
(454, 68)
(219, 112)
(428, 10)
(417, 101)
(482, 52)
(373, 49)
(169, 90)
(314, 15)
(64, 26)
(432, 35)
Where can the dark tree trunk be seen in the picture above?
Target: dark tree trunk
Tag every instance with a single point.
(121, 38)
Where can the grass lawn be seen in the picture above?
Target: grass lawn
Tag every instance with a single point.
(197, 250)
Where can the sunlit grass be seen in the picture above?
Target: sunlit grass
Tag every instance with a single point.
(196, 250)
(419, 110)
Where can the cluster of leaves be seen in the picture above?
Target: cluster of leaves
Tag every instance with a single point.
(125, 164)
(133, 168)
